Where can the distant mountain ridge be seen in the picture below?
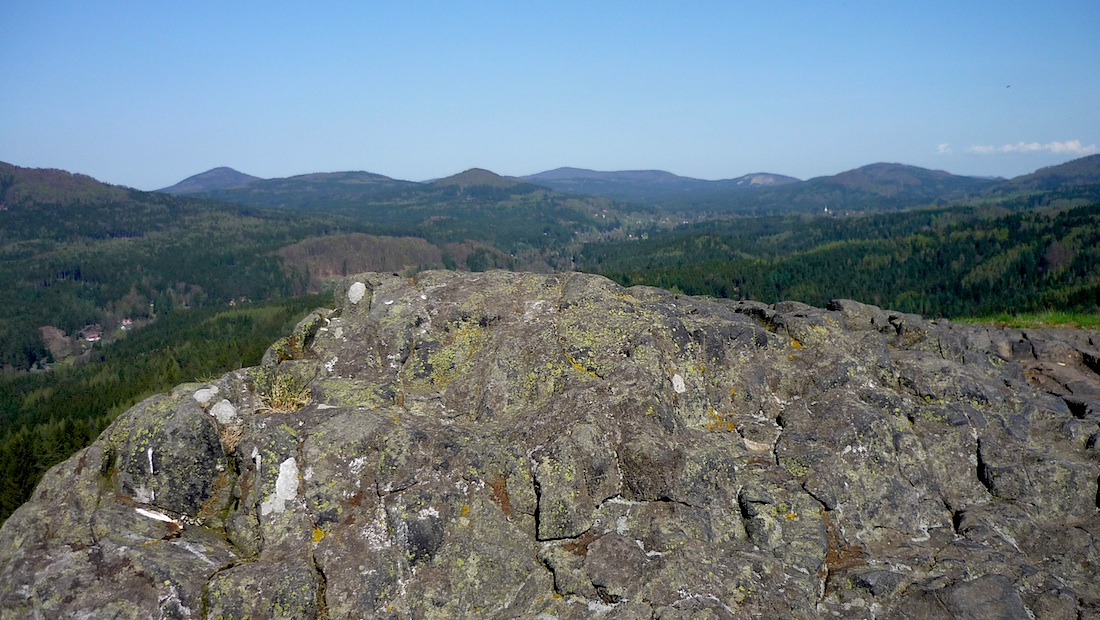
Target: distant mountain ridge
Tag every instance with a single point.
(31, 186)
(355, 190)
(1082, 171)
(880, 185)
(646, 186)
(890, 174)
(313, 191)
(214, 179)
(875, 186)
(517, 224)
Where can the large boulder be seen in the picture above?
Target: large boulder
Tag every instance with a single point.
(507, 445)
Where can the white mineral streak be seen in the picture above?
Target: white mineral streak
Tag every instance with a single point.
(224, 412)
(356, 292)
(205, 395)
(756, 446)
(599, 607)
(152, 514)
(195, 550)
(1005, 536)
(286, 488)
(149, 455)
(619, 499)
(678, 384)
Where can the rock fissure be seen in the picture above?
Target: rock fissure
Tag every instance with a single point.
(824, 506)
(668, 500)
(322, 589)
(985, 476)
(537, 488)
(387, 490)
(554, 578)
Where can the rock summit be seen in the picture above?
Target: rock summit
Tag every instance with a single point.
(507, 445)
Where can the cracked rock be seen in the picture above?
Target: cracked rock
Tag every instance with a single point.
(503, 445)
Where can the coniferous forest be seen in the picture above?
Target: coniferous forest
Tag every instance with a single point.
(936, 262)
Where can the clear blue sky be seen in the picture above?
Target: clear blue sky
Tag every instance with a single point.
(145, 94)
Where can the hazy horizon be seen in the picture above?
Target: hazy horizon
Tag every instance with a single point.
(527, 174)
(146, 96)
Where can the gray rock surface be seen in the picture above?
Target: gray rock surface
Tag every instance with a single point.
(506, 445)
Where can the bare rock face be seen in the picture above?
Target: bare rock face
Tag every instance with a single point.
(506, 445)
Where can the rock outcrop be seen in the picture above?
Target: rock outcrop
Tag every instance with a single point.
(507, 445)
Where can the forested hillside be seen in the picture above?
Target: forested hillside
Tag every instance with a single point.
(1078, 173)
(966, 260)
(74, 252)
(520, 219)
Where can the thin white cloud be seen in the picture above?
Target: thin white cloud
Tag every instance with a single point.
(944, 149)
(1069, 146)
